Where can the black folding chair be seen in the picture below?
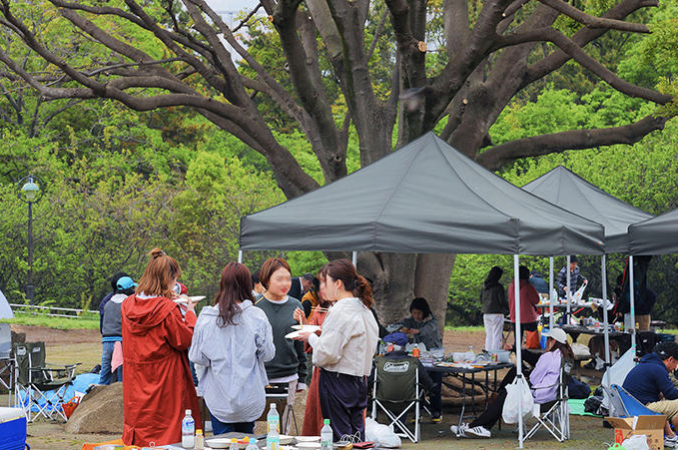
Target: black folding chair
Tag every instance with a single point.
(396, 391)
(39, 385)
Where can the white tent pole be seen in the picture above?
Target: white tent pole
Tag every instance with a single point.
(633, 304)
(551, 299)
(354, 259)
(568, 294)
(519, 343)
(240, 256)
(603, 264)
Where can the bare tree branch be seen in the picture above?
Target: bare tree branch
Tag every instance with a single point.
(593, 21)
(500, 155)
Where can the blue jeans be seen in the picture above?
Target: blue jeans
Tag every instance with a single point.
(105, 376)
(221, 428)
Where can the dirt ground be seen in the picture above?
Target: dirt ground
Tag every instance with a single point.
(85, 346)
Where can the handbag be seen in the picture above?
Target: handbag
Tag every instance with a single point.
(532, 339)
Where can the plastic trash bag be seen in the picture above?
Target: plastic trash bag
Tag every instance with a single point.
(381, 435)
(517, 393)
(616, 375)
(636, 442)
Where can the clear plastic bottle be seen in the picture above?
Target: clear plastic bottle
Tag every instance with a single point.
(188, 431)
(252, 445)
(326, 436)
(273, 436)
(234, 444)
(199, 440)
(415, 351)
(273, 418)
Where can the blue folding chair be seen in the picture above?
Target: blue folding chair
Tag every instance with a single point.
(625, 405)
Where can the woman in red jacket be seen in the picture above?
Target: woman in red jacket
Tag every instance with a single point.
(158, 386)
(528, 299)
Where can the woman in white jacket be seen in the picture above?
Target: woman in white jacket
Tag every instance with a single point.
(231, 342)
(345, 348)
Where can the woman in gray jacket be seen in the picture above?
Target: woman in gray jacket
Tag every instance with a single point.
(494, 306)
(231, 342)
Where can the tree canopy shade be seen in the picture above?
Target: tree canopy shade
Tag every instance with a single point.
(572, 193)
(424, 198)
(656, 236)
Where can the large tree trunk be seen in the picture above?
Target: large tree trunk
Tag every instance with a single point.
(399, 278)
(432, 281)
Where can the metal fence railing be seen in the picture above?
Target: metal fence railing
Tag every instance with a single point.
(47, 310)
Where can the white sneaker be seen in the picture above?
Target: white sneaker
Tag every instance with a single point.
(479, 431)
(459, 431)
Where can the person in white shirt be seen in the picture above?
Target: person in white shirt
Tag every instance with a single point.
(345, 349)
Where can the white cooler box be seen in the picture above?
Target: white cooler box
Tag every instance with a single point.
(12, 429)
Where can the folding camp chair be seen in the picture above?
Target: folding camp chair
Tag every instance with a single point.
(624, 404)
(396, 391)
(40, 387)
(554, 416)
(7, 362)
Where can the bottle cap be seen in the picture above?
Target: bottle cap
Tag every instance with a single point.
(234, 441)
(188, 411)
(273, 406)
(326, 421)
(253, 441)
(198, 431)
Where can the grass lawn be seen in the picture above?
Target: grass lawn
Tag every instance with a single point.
(59, 323)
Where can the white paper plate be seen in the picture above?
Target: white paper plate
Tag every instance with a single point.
(285, 439)
(222, 443)
(308, 438)
(293, 335)
(184, 298)
(311, 328)
(308, 445)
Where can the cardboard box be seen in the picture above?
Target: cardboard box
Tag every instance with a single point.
(650, 426)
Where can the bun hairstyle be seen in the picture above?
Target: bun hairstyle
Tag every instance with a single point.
(344, 270)
(159, 276)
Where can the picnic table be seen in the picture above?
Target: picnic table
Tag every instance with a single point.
(466, 373)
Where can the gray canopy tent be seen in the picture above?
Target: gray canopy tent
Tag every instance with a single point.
(656, 236)
(424, 198)
(572, 193)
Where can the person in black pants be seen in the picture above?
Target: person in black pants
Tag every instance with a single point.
(543, 377)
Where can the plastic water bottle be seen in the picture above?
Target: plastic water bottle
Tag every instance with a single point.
(234, 444)
(326, 436)
(273, 438)
(252, 445)
(273, 419)
(199, 440)
(188, 430)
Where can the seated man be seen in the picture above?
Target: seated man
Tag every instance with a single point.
(396, 351)
(649, 383)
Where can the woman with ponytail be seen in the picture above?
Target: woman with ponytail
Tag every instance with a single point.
(344, 350)
(158, 386)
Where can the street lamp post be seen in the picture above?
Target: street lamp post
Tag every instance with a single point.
(28, 190)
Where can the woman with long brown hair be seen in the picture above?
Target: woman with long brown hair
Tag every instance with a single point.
(158, 386)
(231, 343)
(345, 348)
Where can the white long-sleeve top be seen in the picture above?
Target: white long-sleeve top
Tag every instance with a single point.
(230, 362)
(348, 340)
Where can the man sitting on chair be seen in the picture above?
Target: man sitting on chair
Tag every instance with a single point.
(649, 383)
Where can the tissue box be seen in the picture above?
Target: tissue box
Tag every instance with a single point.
(12, 429)
(650, 426)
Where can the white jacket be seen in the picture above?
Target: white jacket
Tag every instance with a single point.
(230, 362)
(348, 340)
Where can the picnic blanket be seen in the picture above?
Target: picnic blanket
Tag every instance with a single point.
(577, 407)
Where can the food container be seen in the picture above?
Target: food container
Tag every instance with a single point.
(503, 356)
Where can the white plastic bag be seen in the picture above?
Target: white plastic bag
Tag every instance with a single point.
(636, 442)
(616, 375)
(381, 435)
(517, 393)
